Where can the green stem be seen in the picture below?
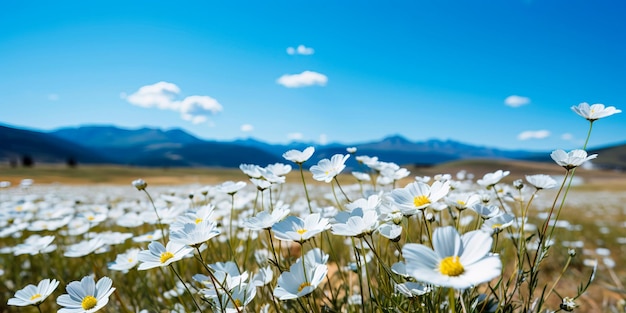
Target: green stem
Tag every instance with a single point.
(157, 215)
(306, 191)
(341, 189)
(187, 288)
(452, 300)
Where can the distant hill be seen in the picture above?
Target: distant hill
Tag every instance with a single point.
(41, 147)
(175, 147)
(613, 157)
(115, 137)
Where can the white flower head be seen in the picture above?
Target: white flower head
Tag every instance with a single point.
(418, 196)
(265, 220)
(458, 262)
(356, 223)
(158, 255)
(125, 261)
(297, 156)
(572, 159)
(326, 169)
(594, 111)
(486, 211)
(230, 187)
(195, 234)
(490, 179)
(412, 289)
(35, 244)
(140, 184)
(86, 296)
(33, 295)
(541, 181)
(497, 223)
(300, 280)
(279, 169)
(252, 170)
(300, 230)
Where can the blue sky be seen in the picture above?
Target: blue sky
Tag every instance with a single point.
(364, 69)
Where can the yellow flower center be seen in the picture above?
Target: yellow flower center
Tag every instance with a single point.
(421, 201)
(460, 202)
(303, 285)
(301, 231)
(166, 256)
(35, 296)
(237, 303)
(130, 260)
(91, 218)
(19, 208)
(198, 221)
(494, 226)
(451, 266)
(89, 302)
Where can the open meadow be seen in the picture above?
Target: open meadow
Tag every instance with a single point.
(90, 221)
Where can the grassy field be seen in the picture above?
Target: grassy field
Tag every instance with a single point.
(595, 214)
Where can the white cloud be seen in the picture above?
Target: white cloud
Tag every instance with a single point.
(323, 139)
(247, 128)
(53, 97)
(301, 49)
(163, 95)
(533, 134)
(567, 136)
(295, 136)
(306, 78)
(516, 101)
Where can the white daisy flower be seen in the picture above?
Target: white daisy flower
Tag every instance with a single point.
(458, 262)
(417, 196)
(158, 255)
(572, 159)
(497, 223)
(279, 169)
(326, 169)
(252, 170)
(150, 236)
(193, 234)
(34, 295)
(140, 184)
(541, 181)
(84, 248)
(35, 244)
(486, 211)
(390, 231)
(300, 280)
(490, 179)
(86, 296)
(265, 220)
(300, 230)
(595, 111)
(356, 223)
(125, 261)
(230, 187)
(237, 298)
(299, 156)
(412, 289)
(360, 176)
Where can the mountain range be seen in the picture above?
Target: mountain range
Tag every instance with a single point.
(176, 147)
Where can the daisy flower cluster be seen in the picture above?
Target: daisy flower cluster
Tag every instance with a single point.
(370, 238)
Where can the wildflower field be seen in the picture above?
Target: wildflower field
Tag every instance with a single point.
(300, 237)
